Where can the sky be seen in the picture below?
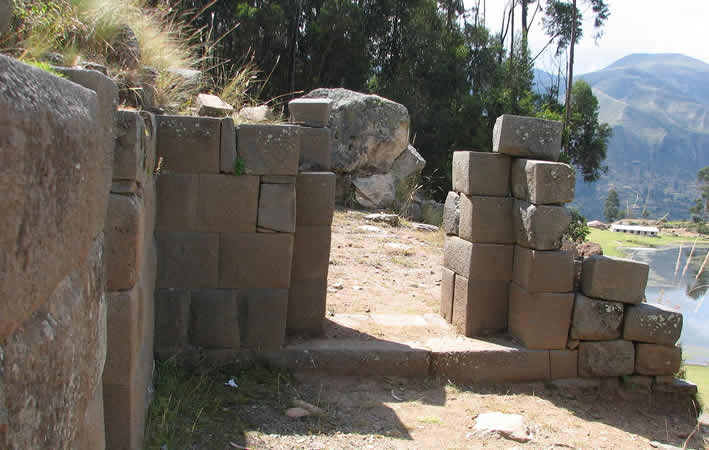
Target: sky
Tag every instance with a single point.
(634, 26)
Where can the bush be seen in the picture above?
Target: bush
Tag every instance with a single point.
(578, 230)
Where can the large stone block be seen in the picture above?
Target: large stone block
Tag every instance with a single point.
(306, 306)
(227, 149)
(484, 262)
(310, 112)
(214, 319)
(172, 321)
(125, 234)
(486, 219)
(315, 149)
(129, 155)
(543, 271)
(606, 358)
(269, 257)
(311, 252)
(479, 307)
(654, 324)
(653, 359)
(542, 182)
(527, 137)
(276, 207)
(480, 173)
(315, 193)
(189, 144)
(190, 260)
(451, 214)
(541, 320)
(262, 318)
(124, 338)
(178, 202)
(563, 364)
(617, 279)
(447, 293)
(540, 227)
(92, 434)
(268, 149)
(596, 320)
(228, 203)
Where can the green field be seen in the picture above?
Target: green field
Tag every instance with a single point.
(700, 376)
(611, 241)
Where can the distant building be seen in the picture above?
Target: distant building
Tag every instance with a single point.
(635, 229)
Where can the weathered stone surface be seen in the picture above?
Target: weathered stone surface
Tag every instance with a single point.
(189, 144)
(124, 48)
(606, 358)
(508, 426)
(543, 271)
(375, 191)
(227, 203)
(268, 149)
(654, 324)
(541, 321)
(189, 260)
(92, 434)
(653, 359)
(315, 149)
(310, 112)
(638, 383)
(212, 106)
(172, 321)
(278, 179)
(269, 260)
(451, 214)
(227, 149)
(53, 179)
(306, 306)
(129, 156)
(563, 364)
(672, 385)
(256, 114)
(540, 227)
(276, 207)
(150, 142)
(481, 173)
(542, 182)
(5, 15)
(311, 252)
(124, 187)
(479, 307)
(408, 164)
(617, 279)
(447, 293)
(486, 220)
(125, 233)
(214, 319)
(596, 320)
(177, 201)
(369, 132)
(484, 262)
(262, 318)
(527, 137)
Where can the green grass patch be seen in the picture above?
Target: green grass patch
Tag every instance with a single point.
(700, 376)
(612, 242)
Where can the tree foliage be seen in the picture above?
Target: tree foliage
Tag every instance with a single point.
(611, 209)
(578, 229)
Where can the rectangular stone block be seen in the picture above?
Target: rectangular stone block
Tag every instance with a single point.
(262, 318)
(479, 307)
(177, 202)
(542, 182)
(486, 220)
(268, 149)
(92, 434)
(311, 252)
(447, 293)
(124, 235)
(451, 214)
(129, 154)
(315, 202)
(189, 144)
(214, 322)
(540, 227)
(278, 179)
(606, 358)
(310, 112)
(483, 262)
(563, 364)
(306, 306)
(541, 321)
(596, 320)
(227, 147)
(616, 279)
(258, 260)
(124, 335)
(653, 359)
(543, 271)
(481, 173)
(315, 149)
(653, 324)
(150, 141)
(227, 203)
(276, 207)
(172, 321)
(527, 137)
(189, 260)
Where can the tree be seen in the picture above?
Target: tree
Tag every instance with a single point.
(699, 210)
(611, 209)
(578, 229)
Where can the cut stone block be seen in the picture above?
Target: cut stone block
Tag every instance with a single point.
(189, 144)
(653, 359)
(606, 358)
(124, 235)
(276, 207)
(672, 385)
(543, 271)
(129, 154)
(447, 293)
(541, 321)
(189, 260)
(172, 321)
(92, 434)
(527, 137)
(479, 307)
(124, 187)
(177, 202)
(564, 364)
(150, 141)
(617, 279)
(228, 203)
(481, 173)
(315, 149)
(227, 148)
(311, 252)
(268, 149)
(310, 112)
(540, 227)
(484, 262)
(654, 324)
(214, 319)
(262, 318)
(306, 306)
(315, 193)
(451, 214)
(542, 182)
(596, 320)
(278, 179)
(269, 260)
(486, 220)
(212, 106)
(123, 335)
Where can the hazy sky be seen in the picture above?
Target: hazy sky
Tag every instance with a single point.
(635, 26)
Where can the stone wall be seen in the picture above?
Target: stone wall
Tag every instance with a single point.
(504, 272)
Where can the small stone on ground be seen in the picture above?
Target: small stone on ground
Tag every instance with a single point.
(509, 426)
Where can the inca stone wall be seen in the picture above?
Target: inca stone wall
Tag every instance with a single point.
(504, 272)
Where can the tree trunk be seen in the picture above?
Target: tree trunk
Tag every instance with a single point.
(570, 78)
(525, 28)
